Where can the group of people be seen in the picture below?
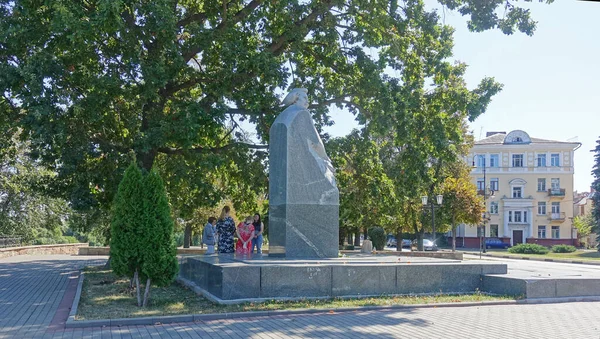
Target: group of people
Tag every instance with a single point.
(221, 232)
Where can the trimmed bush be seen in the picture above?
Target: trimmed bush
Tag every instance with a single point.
(377, 236)
(528, 249)
(563, 249)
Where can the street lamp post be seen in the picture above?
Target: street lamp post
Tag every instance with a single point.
(439, 199)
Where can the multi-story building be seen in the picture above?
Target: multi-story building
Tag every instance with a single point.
(528, 185)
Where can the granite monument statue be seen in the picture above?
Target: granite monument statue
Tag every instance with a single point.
(303, 195)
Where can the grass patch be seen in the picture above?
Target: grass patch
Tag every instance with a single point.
(577, 255)
(105, 296)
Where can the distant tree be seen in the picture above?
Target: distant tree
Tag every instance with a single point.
(584, 225)
(158, 252)
(367, 195)
(596, 187)
(461, 203)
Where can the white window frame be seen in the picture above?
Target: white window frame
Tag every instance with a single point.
(493, 207)
(555, 183)
(555, 207)
(542, 232)
(510, 216)
(556, 235)
(541, 160)
(494, 184)
(480, 184)
(518, 216)
(516, 157)
(541, 208)
(493, 227)
(514, 190)
(555, 159)
(494, 160)
(539, 187)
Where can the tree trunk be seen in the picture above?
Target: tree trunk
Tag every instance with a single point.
(349, 240)
(399, 240)
(137, 288)
(453, 235)
(187, 236)
(146, 293)
(366, 233)
(107, 265)
(357, 238)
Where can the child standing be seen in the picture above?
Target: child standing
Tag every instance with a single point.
(208, 236)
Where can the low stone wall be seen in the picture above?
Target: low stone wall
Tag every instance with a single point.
(41, 250)
(423, 254)
(106, 251)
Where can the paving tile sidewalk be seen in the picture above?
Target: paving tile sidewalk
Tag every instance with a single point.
(32, 289)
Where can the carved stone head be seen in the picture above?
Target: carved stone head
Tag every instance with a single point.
(298, 97)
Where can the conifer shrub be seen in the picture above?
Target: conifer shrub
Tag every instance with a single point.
(159, 254)
(528, 249)
(563, 249)
(127, 225)
(377, 236)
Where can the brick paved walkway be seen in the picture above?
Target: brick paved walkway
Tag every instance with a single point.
(31, 289)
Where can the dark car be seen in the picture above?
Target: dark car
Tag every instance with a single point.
(495, 243)
(406, 243)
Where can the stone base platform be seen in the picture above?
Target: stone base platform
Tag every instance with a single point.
(228, 279)
(533, 288)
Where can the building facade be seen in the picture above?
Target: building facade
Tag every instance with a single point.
(583, 205)
(528, 185)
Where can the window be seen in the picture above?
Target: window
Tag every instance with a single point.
(555, 184)
(510, 218)
(541, 160)
(517, 192)
(555, 232)
(494, 160)
(555, 159)
(524, 216)
(494, 208)
(542, 232)
(541, 184)
(541, 207)
(480, 185)
(518, 216)
(481, 231)
(517, 160)
(494, 231)
(556, 207)
(481, 161)
(494, 184)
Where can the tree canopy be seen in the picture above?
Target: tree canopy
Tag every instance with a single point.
(91, 81)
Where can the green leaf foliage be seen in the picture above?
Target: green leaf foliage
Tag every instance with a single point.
(158, 251)
(563, 249)
(377, 236)
(128, 226)
(529, 249)
(91, 81)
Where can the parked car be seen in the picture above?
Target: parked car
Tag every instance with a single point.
(391, 242)
(428, 245)
(406, 243)
(495, 243)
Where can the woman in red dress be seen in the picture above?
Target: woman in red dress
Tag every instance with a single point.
(245, 233)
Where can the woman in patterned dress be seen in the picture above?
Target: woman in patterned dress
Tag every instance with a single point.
(225, 230)
(245, 233)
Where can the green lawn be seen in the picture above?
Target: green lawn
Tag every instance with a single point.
(577, 255)
(105, 296)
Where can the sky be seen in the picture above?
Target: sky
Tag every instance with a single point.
(551, 79)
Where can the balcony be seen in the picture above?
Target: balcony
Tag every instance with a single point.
(556, 192)
(560, 216)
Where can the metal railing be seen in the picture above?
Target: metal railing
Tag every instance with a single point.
(557, 216)
(8, 241)
(556, 192)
